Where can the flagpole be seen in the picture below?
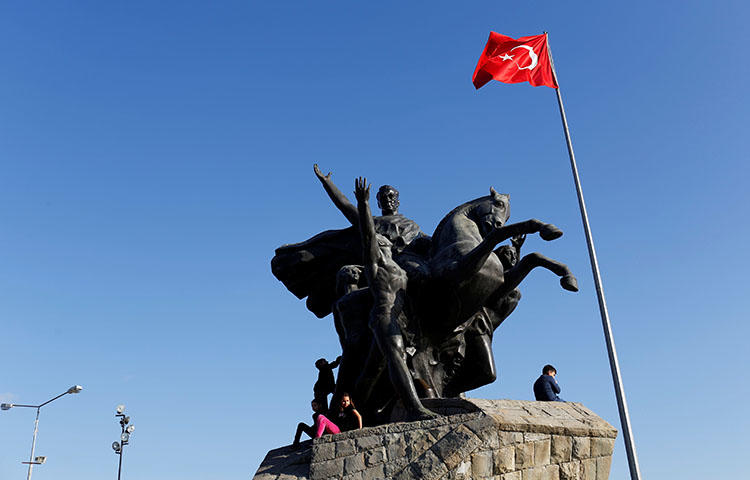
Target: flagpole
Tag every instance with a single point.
(622, 405)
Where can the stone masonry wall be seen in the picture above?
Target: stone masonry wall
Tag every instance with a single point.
(475, 439)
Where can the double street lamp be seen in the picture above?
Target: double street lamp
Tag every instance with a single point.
(38, 460)
(126, 430)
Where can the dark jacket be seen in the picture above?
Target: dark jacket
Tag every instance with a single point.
(546, 389)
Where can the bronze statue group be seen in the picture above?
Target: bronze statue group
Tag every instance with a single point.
(423, 309)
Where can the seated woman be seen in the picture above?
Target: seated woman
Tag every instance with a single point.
(348, 418)
(320, 425)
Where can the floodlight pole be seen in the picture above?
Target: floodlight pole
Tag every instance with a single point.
(33, 441)
(31, 462)
(125, 432)
(119, 466)
(622, 405)
(122, 448)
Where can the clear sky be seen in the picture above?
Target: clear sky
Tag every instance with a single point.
(154, 154)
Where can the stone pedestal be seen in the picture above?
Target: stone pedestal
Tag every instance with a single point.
(474, 439)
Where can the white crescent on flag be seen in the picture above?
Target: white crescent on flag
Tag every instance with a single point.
(533, 56)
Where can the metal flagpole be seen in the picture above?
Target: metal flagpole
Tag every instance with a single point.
(622, 405)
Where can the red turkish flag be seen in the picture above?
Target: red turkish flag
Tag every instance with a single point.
(513, 60)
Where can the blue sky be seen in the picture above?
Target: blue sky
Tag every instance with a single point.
(153, 156)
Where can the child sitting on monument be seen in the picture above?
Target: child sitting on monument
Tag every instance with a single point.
(320, 425)
(348, 418)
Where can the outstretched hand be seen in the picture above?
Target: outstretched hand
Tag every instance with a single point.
(319, 174)
(361, 189)
(517, 241)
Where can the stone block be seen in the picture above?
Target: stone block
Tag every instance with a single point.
(405, 474)
(395, 465)
(541, 452)
(551, 472)
(354, 463)
(439, 432)
(323, 452)
(285, 476)
(481, 426)
(374, 473)
(463, 470)
(588, 469)
(602, 446)
(345, 448)
(428, 466)
(509, 438)
(570, 471)
(368, 442)
(524, 455)
(375, 456)
(602, 467)
(490, 439)
(561, 449)
(455, 446)
(504, 459)
(581, 448)
(395, 446)
(326, 469)
(481, 464)
(512, 476)
(534, 473)
(417, 442)
(353, 476)
(535, 437)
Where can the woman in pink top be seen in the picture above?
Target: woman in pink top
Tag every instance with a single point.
(320, 425)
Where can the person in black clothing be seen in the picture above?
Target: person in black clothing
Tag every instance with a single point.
(326, 383)
(546, 387)
(348, 418)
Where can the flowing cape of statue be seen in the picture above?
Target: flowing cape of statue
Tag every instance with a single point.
(309, 268)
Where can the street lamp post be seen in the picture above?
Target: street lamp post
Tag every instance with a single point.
(125, 432)
(38, 460)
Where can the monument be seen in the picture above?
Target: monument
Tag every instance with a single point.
(415, 315)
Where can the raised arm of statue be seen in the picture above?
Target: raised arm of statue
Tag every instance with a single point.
(517, 242)
(370, 250)
(338, 198)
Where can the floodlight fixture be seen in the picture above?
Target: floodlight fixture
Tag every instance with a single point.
(6, 406)
(75, 389)
(125, 431)
(40, 459)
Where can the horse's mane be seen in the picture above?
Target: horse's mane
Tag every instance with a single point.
(459, 209)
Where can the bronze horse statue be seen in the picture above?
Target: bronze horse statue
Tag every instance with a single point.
(468, 284)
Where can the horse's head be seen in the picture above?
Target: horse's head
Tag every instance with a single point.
(493, 212)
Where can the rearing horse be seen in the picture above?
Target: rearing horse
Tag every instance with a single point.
(464, 272)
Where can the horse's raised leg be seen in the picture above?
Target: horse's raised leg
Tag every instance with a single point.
(547, 231)
(517, 274)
